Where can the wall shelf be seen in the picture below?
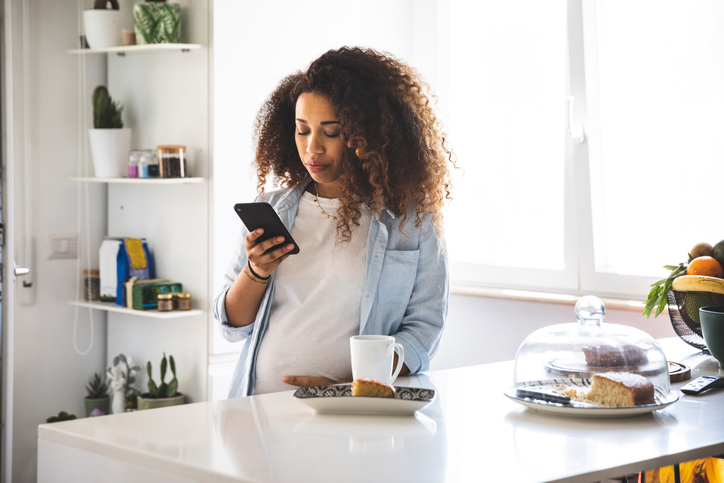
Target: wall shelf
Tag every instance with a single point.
(91, 179)
(154, 314)
(123, 49)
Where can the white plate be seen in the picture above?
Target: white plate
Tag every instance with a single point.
(338, 399)
(578, 410)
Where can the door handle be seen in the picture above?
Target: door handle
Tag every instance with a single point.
(20, 271)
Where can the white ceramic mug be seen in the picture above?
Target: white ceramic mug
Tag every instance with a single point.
(373, 355)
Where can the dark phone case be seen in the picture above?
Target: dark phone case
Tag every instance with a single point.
(262, 215)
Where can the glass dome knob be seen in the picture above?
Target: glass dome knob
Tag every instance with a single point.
(590, 310)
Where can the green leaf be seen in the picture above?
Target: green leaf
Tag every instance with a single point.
(152, 389)
(163, 368)
(172, 387)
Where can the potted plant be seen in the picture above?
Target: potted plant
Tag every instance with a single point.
(103, 25)
(62, 416)
(98, 397)
(162, 395)
(110, 142)
(157, 22)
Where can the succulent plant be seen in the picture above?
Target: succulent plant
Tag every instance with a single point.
(103, 4)
(62, 416)
(97, 387)
(164, 390)
(106, 112)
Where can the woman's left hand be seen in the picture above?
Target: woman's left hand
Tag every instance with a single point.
(302, 381)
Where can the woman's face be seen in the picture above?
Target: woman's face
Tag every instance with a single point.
(319, 142)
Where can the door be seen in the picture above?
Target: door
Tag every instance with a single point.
(8, 268)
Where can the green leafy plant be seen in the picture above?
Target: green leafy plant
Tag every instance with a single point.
(659, 289)
(107, 113)
(157, 22)
(164, 390)
(62, 416)
(97, 387)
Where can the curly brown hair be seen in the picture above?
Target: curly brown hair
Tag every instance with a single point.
(396, 154)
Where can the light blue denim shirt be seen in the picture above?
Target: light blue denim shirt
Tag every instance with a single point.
(405, 291)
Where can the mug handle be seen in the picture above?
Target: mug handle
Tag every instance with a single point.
(400, 359)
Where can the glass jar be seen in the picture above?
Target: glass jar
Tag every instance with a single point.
(92, 284)
(172, 161)
(165, 302)
(183, 301)
(134, 159)
(148, 165)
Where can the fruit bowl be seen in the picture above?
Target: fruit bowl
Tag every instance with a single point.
(689, 294)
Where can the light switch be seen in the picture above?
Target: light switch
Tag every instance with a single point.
(62, 246)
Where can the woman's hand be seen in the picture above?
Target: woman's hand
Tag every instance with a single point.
(263, 263)
(302, 381)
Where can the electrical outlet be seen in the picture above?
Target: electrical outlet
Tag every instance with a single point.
(62, 246)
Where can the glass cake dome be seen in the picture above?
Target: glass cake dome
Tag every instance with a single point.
(579, 350)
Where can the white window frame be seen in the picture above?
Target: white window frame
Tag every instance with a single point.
(579, 275)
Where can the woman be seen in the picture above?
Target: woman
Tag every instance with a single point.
(362, 161)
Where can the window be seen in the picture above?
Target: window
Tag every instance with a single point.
(507, 67)
(534, 209)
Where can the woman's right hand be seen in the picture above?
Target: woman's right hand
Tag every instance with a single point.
(263, 263)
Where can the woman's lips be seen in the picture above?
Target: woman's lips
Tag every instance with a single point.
(317, 168)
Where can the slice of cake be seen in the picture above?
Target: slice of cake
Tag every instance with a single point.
(368, 387)
(620, 389)
(612, 356)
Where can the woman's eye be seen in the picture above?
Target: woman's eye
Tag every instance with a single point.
(302, 133)
(332, 135)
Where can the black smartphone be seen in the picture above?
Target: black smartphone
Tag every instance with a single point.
(262, 215)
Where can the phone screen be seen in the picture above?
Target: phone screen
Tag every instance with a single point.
(262, 215)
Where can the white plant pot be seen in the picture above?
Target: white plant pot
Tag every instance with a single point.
(103, 28)
(110, 149)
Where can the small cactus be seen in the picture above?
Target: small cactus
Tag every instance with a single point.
(164, 390)
(106, 112)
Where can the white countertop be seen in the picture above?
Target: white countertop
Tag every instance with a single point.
(472, 432)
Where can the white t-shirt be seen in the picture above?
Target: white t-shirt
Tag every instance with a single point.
(316, 305)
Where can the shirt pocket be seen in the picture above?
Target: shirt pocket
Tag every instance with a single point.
(397, 278)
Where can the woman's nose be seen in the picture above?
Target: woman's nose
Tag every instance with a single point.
(315, 146)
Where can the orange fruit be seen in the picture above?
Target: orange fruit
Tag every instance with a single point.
(707, 266)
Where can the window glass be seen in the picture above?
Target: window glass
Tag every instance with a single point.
(506, 124)
(657, 172)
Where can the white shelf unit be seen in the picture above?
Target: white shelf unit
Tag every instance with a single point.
(165, 97)
(91, 179)
(154, 314)
(124, 49)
